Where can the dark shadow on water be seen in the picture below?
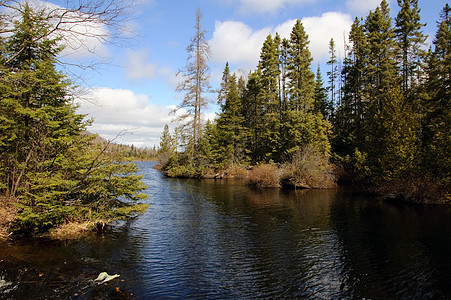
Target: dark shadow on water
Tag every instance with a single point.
(222, 240)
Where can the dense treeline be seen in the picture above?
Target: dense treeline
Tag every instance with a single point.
(130, 152)
(384, 118)
(50, 168)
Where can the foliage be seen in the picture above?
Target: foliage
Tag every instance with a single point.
(48, 162)
(386, 120)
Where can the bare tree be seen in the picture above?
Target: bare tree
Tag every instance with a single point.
(195, 81)
(79, 25)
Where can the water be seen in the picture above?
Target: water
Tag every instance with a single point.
(222, 240)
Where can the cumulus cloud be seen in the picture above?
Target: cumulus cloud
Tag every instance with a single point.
(236, 42)
(362, 7)
(138, 66)
(267, 6)
(239, 44)
(119, 110)
(321, 29)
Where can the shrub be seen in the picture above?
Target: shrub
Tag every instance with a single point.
(264, 176)
(309, 168)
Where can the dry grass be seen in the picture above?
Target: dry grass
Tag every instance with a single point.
(72, 230)
(7, 216)
(264, 176)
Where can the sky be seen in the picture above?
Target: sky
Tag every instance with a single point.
(129, 95)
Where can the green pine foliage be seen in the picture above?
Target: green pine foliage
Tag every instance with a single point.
(386, 123)
(57, 171)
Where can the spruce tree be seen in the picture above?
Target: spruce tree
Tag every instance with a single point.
(348, 124)
(333, 75)
(379, 75)
(410, 41)
(230, 124)
(322, 104)
(47, 161)
(302, 126)
(301, 78)
(269, 93)
(252, 104)
(437, 123)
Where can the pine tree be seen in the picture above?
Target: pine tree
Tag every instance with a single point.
(269, 93)
(437, 124)
(252, 104)
(230, 124)
(322, 104)
(348, 124)
(301, 79)
(302, 126)
(47, 160)
(379, 75)
(333, 75)
(410, 41)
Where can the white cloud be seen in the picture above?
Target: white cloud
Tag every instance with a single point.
(138, 66)
(82, 35)
(267, 6)
(239, 44)
(117, 110)
(362, 7)
(321, 29)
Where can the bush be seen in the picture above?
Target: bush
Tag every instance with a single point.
(309, 168)
(264, 176)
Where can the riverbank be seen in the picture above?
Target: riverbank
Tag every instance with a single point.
(8, 215)
(322, 176)
(414, 190)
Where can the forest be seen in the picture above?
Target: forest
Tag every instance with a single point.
(54, 174)
(381, 122)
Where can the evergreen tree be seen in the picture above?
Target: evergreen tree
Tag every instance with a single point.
(348, 124)
(322, 104)
(379, 74)
(302, 126)
(269, 93)
(230, 124)
(301, 79)
(47, 161)
(437, 123)
(410, 41)
(398, 143)
(252, 104)
(333, 75)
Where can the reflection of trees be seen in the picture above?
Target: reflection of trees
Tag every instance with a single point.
(52, 269)
(271, 242)
(385, 253)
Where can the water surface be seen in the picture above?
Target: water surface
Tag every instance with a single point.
(223, 240)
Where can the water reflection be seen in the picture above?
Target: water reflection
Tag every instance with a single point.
(220, 239)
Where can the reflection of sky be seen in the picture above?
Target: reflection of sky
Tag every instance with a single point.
(223, 240)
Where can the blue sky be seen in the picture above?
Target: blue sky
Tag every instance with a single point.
(134, 91)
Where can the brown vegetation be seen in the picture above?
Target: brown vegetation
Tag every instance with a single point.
(72, 230)
(7, 216)
(416, 190)
(264, 176)
(309, 169)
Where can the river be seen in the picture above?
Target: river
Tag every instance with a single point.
(207, 239)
